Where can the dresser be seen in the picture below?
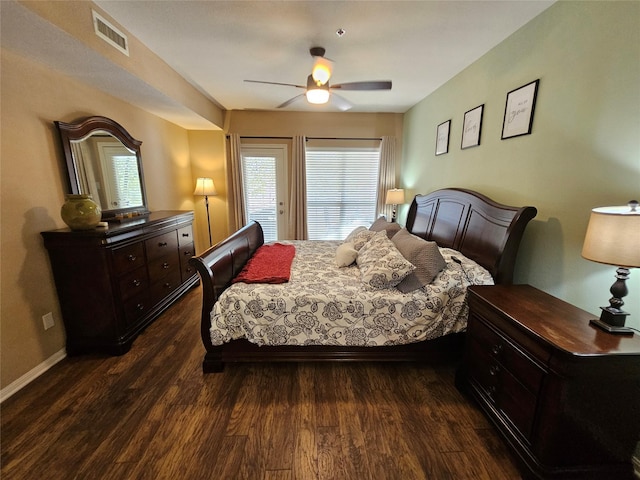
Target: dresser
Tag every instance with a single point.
(113, 282)
(563, 394)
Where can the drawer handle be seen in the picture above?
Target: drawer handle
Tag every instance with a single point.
(491, 391)
(165, 265)
(188, 269)
(140, 307)
(167, 285)
(162, 244)
(188, 254)
(131, 258)
(185, 235)
(136, 283)
(494, 370)
(496, 349)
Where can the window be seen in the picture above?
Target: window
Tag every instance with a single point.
(341, 190)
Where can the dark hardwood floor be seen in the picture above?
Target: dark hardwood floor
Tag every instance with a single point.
(152, 414)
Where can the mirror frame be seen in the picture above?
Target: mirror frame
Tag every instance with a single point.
(82, 129)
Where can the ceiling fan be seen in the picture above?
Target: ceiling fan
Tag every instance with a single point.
(318, 91)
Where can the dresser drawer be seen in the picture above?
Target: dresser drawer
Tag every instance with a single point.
(163, 266)
(133, 283)
(186, 253)
(162, 288)
(128, 258)
(185, 236)
(137, 307)
(160, 245)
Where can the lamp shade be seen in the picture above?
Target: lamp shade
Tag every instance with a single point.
(321, 71)
(316, 94)
(613, 236)
(395, 196)
(205, 187)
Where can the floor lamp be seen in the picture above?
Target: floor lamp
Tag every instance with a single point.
(206, 188)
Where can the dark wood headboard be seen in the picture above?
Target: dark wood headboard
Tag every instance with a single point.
(485, 231)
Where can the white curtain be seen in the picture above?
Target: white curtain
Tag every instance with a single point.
(387, 179)
(237, 212)
(298, 191)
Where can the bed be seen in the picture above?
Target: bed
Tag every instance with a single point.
(477, 237)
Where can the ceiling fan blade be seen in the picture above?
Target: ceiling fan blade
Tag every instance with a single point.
(340, 102)
(276, 83)
(370, 85)
(290, 101)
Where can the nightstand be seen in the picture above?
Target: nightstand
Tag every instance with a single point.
(563, 394)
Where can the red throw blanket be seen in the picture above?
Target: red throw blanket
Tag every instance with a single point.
(269, 264)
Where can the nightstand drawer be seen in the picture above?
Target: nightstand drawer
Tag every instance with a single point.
(507, 354)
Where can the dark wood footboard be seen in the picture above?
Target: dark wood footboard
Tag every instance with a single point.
(217, 266)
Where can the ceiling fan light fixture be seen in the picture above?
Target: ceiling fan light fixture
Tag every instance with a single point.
(322, 70)
(318, 95)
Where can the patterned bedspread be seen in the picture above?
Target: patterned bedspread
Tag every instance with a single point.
(324, 304)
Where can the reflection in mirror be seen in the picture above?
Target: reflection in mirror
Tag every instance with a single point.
(103, 160)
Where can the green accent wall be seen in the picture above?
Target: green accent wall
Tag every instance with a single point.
(583, 152)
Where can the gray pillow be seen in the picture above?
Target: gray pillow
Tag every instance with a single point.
(424, 255)
(382, 224)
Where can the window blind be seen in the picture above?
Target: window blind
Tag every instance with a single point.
(259, 174)
(341, 190)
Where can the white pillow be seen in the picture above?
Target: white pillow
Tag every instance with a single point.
(381, 264)
(346, 254)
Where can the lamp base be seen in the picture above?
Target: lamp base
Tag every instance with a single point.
(612, 320)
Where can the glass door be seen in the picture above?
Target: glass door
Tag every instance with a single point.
(264, 173)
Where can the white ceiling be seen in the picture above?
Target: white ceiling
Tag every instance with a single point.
(419, 45)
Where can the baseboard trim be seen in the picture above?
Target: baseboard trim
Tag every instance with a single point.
(31, 375)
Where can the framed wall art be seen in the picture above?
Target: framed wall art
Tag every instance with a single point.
(472, 127)
(518, 110)
(442, 137)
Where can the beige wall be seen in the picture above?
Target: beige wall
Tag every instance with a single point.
(33, 185)
(207, 152)
(584, 150)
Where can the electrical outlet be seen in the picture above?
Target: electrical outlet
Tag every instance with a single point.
(47, 321)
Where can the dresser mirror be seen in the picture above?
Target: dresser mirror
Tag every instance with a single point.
(104, 161)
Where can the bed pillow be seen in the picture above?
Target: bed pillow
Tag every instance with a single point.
(346, 254)
(359, 237)
(424, 255)
(382, 224)
(381, 264)
(354, 232)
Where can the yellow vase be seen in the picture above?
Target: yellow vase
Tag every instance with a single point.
(80, 212)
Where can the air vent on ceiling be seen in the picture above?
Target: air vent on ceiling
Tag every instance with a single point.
(109, 33)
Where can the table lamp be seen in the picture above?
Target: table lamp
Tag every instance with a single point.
(613, 238)
(395, 196)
